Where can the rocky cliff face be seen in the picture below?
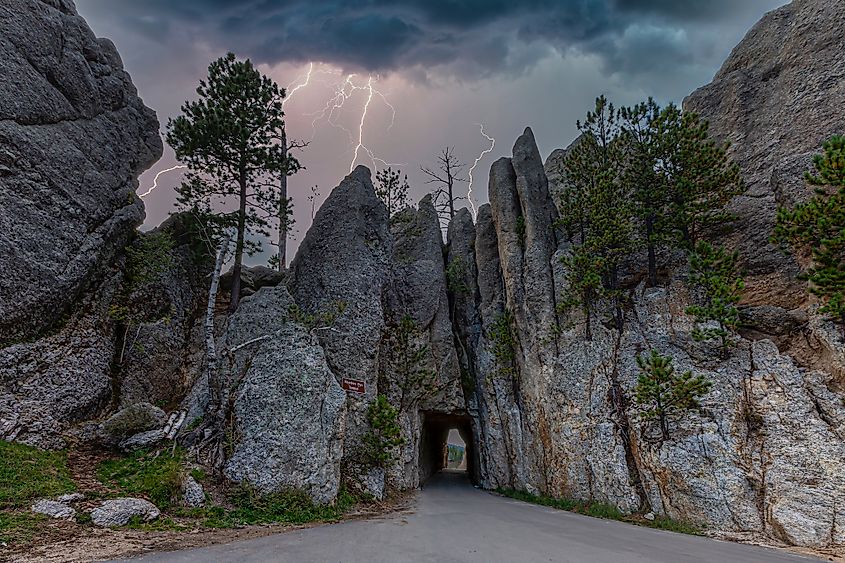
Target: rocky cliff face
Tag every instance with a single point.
(776, 99)
(75, 136)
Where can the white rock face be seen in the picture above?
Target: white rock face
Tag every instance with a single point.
(119, 512)
(764, 455)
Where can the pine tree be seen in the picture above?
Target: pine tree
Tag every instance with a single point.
(715, 271)
(596, 213)
(700, 177)
(650, 189)
(819, 225)
(384, 435)
(231, 139)
(661, 394)
(392, 190)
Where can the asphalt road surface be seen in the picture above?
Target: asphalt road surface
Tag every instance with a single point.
(453, 522)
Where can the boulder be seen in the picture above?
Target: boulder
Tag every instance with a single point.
(119, 512)
(133, 419)
(289, 410)
(143, 440)
(54, 509)
(193, 495)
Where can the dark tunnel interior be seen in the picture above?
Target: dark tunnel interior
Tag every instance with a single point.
(435, 432)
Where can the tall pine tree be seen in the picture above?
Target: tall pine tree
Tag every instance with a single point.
(231, 139)
(819, 225)
(650, 189)
(596, 213)
(700, 177)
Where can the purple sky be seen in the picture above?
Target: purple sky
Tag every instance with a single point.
(444, 65)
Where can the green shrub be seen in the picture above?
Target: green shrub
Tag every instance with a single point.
(27, 473)
(148, 258)
(384, 435)
(504, 345)
(157, 476)
(286, 507)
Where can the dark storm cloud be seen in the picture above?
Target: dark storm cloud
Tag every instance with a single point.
(479, 37)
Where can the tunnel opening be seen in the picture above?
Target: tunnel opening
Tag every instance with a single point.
(447, 443)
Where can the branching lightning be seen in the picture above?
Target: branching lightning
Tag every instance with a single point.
(344, 90)
(157, 176)
(293, 89)
(477, 160)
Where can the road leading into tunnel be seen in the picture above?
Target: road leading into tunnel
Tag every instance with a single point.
(454, 522)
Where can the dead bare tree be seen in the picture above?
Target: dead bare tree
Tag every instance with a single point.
(446, 175)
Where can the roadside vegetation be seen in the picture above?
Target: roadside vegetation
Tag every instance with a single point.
(603, 510)
(28, 474)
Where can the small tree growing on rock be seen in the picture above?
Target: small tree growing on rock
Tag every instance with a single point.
(392, 189)
(715, 271)
(384, 435)
(819, 225)
(662, 395)
(407, 358)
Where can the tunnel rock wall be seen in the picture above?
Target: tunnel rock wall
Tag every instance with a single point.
(554, 414)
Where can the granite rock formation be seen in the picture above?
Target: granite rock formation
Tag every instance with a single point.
(75, 136)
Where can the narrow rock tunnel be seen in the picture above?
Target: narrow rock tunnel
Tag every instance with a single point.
(435, 433)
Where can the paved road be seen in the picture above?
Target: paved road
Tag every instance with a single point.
(454, 522)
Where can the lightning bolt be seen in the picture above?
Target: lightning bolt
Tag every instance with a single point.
(361, 124)
(477, 160)
(157, 176)
(293, 89)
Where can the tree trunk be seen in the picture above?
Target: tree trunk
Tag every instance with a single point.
(652, 257)
(451, 196)
(283, 208)
(239, 247)
(210, 348)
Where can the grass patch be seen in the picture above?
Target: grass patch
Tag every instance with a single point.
(19, 528)
(602, 510)
(157, 476)
(27, 473)
(287, 507)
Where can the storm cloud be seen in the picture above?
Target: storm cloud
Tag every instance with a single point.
(469, 38)
(445, 66)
